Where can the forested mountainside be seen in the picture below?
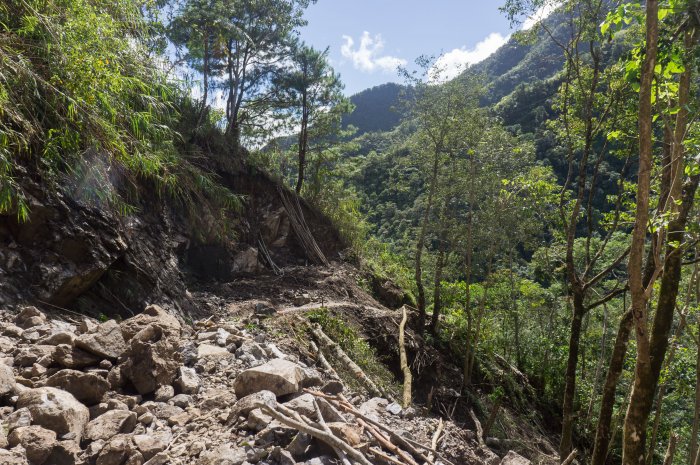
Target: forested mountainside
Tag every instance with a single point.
(501, 267)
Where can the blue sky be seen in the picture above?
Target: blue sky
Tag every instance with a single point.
(369, 38)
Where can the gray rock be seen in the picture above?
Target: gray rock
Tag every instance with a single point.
(151, 444)
(110, 424)
(513, 458)
(7, 379)
(223, 455)
(29, 355)
(88, 388)
(72, 357)
(187, 381)
(304, 405)
(106, 341)
(38, 442)
(164, 393)
(181, 400)
(152, 315)
(152, 359)
(29, 317)
(18, 418)
(393, 408)
(60, 337)
(55, 409)
(278, 376)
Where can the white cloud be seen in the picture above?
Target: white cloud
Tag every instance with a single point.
(450, 64)
(367, 56)
(543, 12)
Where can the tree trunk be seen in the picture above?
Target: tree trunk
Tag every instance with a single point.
(567, 427)
(696, 416)
(205, 78)
(607, 402)
(437, 301)
(634, 434)
(652, 353)
(671, 451)
(420, 244)
(303, 142)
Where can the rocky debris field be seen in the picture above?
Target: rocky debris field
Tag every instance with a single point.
(153, 390)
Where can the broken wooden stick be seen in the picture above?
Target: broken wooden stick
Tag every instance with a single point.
(436, 438)
(341, 403)
(570, 458)
(407, 378)
(324, 361)
(331, 345)
(386, 443)
(321, 421)
(320, 434)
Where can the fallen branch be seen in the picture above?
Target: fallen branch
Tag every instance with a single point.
(409, 445)
(386, 443)
(319, 434)
(384, 456)
(436, 438)
(329, 344)
(407, 377)
(341, 455)
(479, 429)
(323, 361)
(570, 458)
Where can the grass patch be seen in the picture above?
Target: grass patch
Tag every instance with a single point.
(357, 348)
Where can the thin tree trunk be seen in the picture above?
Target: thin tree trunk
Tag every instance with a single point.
(303, 142)
(607, 402)
(634, 434)
(599, 365)
(652, 351)
(420, 244)
(567, 427)
(671, 451)
(437, 300)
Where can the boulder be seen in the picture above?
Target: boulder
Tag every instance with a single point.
(151, 444)
(181, 400)
(304, 405)
(513, 458)
(56, 410)
(38, 442)
(278, 376)
(209, 350)
(106, 341)
(65, 453)
(187, 381)
(117, 451)
(223, 455)
(109, 424)
(18, 418)
(72, 357)
(60, 337)
(29, 317)
(88, 388)
(257, 420)
(152, 315)
(29, 355)
(7, 379)
(164, 393)
(248, 403)
(347, 433)
(15, 456)
(152, 359)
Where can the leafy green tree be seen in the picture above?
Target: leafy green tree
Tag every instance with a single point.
(311, 97)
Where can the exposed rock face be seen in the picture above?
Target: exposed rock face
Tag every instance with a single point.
(106, 341)
(88, 388)
(56, 410)
(278, 376)
(152, 359)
